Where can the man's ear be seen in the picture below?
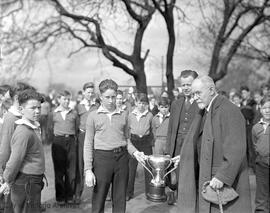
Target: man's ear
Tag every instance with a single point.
(20, 109)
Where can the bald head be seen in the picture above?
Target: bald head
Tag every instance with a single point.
(204, 89)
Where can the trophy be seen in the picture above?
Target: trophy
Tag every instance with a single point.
(157, 165)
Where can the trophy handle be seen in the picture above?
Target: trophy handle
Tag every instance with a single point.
(144, 165)
(174, 168)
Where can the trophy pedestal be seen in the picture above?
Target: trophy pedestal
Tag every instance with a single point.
(156, 193)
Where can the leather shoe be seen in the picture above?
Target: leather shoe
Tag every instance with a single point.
(171, 198)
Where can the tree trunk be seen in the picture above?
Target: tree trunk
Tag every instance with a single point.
(140, 78)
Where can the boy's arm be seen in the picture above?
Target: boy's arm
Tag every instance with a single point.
(89, 142)
(19, 143)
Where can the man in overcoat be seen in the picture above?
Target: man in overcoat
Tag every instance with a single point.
(182, 110)
(214, 150)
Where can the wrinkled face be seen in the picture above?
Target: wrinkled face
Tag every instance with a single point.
(108, 99)
(163, 109)
(119, 100)
(186, 85)
(88, 93)
(31, 110)
(257, 98)
(202, 94)
(64, 101)
(141, 106)
(265, 110)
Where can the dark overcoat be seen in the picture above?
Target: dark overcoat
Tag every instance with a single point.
(222, 155)
(174, 122)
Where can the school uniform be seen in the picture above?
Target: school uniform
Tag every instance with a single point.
(160, 127)
(141, 137)
(106, 149)
(25, 168)
(261, 140)
(64, 153)
(83, 109)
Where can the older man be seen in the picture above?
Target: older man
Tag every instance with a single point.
(215, 151)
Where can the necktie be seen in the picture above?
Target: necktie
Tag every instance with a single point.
(187, 103)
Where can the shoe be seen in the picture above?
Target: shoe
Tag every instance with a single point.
(171, 198)
(71, 201)
(61, 203)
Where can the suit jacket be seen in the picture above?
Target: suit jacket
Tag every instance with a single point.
(222, 155)
(174, 121)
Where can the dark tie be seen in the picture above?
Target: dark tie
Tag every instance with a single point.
(187, 103)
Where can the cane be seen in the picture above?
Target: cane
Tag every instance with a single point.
(219, 201)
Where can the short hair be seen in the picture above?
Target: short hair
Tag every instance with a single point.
(141, 97)
(187, 73)
(265, 85)
(119, 92)
(175, 89)
(258, 91)
(29, 94)
(163, 101)
(236, 95)
(244, 87)
(88, 85)
(20, 86)
(64, 93)
(206, 80)
(107, 84)
(265, 99)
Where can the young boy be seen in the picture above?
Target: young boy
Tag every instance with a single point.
(26, 165)
(119, 101)
(87, 105)
(141, 137)
(64, 149)
(106, 149)
(261, 140)
(160, 124)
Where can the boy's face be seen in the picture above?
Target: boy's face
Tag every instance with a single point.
(64, 101)
(31, 110)
(119, 100)
(108, 99)
(236, 100)
(141, 106)
(88, 93)
(163, 109)
(257, 98)
(265, 110)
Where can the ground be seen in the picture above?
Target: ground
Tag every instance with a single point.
(138, 204)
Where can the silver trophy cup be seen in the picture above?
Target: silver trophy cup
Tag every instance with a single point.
(157, 165)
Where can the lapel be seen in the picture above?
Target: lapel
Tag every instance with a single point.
(179, 105)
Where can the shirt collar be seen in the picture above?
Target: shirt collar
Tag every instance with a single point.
(161, 115)
(28, 123)
(263, 122)
(61, 109)
(14, 111)
(88, 103)
(102, 109)
(209, 106)
(136, 112)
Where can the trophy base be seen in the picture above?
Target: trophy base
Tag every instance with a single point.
(156, 194)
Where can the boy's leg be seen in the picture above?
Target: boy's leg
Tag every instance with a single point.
(103, 167)
(132, 163)
(70, 168)
(59, 163)
(120, 179)
(262, 189)
(18, 195)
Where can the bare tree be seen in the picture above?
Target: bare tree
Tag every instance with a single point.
(235, 33)
(82, 21)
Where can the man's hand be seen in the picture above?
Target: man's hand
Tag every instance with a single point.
(90, 179)
(176, 160)
(139, 156)
(216, 183)
(5, 189)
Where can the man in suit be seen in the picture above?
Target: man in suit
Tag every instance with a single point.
(182, 111)
(215, 151)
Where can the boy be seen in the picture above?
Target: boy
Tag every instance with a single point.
(106, 149)
(26, 165)
(87, 105)
(160, 124)
(260, 136)
(141, 137)
(119, 101)
(64, 149)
